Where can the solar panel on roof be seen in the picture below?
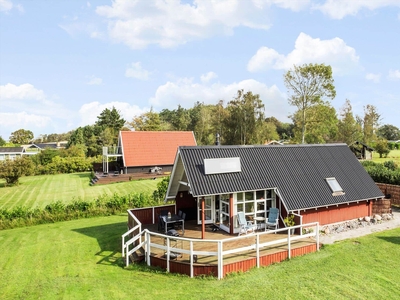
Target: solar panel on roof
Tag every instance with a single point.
(222, 165)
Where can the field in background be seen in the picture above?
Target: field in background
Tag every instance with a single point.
(81, 259)
(393, 155)
(38, 191)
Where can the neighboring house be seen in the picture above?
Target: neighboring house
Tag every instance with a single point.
(148, 151)
(361, 150)
(324, 183)
(11, 152)
(273, 142)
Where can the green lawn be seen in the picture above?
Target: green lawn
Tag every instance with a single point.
(38, 191)
(393, 155)
(81, 259)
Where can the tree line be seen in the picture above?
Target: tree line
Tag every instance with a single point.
(242, 120)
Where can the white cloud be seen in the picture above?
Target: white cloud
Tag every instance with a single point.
(333, 52)
(394, 75)
(23, 91)
(24, 120)
(185, 91)
(94, 81)
(90, 111)
(265, 58)
(24, 106)
(208, 77)
(6, 6)
(172, 23)
(338, 9)
(136, 71)
(373, 77)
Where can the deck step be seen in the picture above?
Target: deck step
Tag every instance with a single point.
(138, 255)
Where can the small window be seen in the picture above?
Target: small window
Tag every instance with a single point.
(335, 186)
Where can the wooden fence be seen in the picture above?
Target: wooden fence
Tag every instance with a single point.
(391, 192)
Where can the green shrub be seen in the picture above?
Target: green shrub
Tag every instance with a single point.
(387, 172)
(57, 211)
(390, 165)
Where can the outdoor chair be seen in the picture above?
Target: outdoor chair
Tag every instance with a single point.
(161, 224)
(183, 216)
(273, 219)
(245, 226)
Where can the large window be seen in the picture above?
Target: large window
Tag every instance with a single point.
(255, 203)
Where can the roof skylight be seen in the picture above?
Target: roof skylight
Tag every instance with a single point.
(335, 186)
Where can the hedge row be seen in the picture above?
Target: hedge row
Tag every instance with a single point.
(387, 172)
(58, 211)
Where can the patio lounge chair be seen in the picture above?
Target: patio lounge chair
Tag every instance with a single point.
(273, 219)
(245, 226)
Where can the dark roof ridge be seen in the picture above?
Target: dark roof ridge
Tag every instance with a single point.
(262, 146)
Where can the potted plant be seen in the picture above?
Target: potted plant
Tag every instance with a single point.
(289, 222)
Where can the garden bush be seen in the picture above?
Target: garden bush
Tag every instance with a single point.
(387, 172)
(104, 205)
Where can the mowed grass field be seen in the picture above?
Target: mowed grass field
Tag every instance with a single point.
(393, 155)
(81, 259)
(38, 191)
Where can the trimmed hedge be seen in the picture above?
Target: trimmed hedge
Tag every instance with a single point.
(58, 211)
(388, 172)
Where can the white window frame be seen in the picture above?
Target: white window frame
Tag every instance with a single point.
(334, 185)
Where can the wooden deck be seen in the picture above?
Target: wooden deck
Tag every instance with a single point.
(219, 253)
(240, 261)
(113, 178)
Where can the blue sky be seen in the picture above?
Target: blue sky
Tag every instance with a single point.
(63, 62)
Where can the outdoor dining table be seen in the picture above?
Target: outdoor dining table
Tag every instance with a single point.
(173, 220)
(259, 221)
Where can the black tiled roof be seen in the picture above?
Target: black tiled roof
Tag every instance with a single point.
(11, 150)
(298, 171)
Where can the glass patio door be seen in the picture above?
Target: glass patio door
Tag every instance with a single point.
(224, 213)
(209, 210)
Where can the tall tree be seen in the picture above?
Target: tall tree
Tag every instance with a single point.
(111, 119)
(148, 121)
(322, 124)
(245, 120)
(371, 122)
(284, 130)
(349, 129)
(309, 85)
(181, 119)
(2, 141)
(21, 136)
(389, 132)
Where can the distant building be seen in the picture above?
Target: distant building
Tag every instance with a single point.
(361, 150)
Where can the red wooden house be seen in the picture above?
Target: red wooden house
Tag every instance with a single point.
(316, 183)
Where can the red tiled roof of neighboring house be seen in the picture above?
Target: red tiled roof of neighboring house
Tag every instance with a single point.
(153, 148)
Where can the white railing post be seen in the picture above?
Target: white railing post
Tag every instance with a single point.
(289, 250)
(127, 256)
(167, 254)
(148, 240)
(258, 249)
(191, 259)
(317, 236)
(220, 261)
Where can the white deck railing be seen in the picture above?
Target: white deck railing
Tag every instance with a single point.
(149, 245)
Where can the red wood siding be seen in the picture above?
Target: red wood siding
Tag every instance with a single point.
(240, 266)
(145, 215)
(188, 204)
(341, 213)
